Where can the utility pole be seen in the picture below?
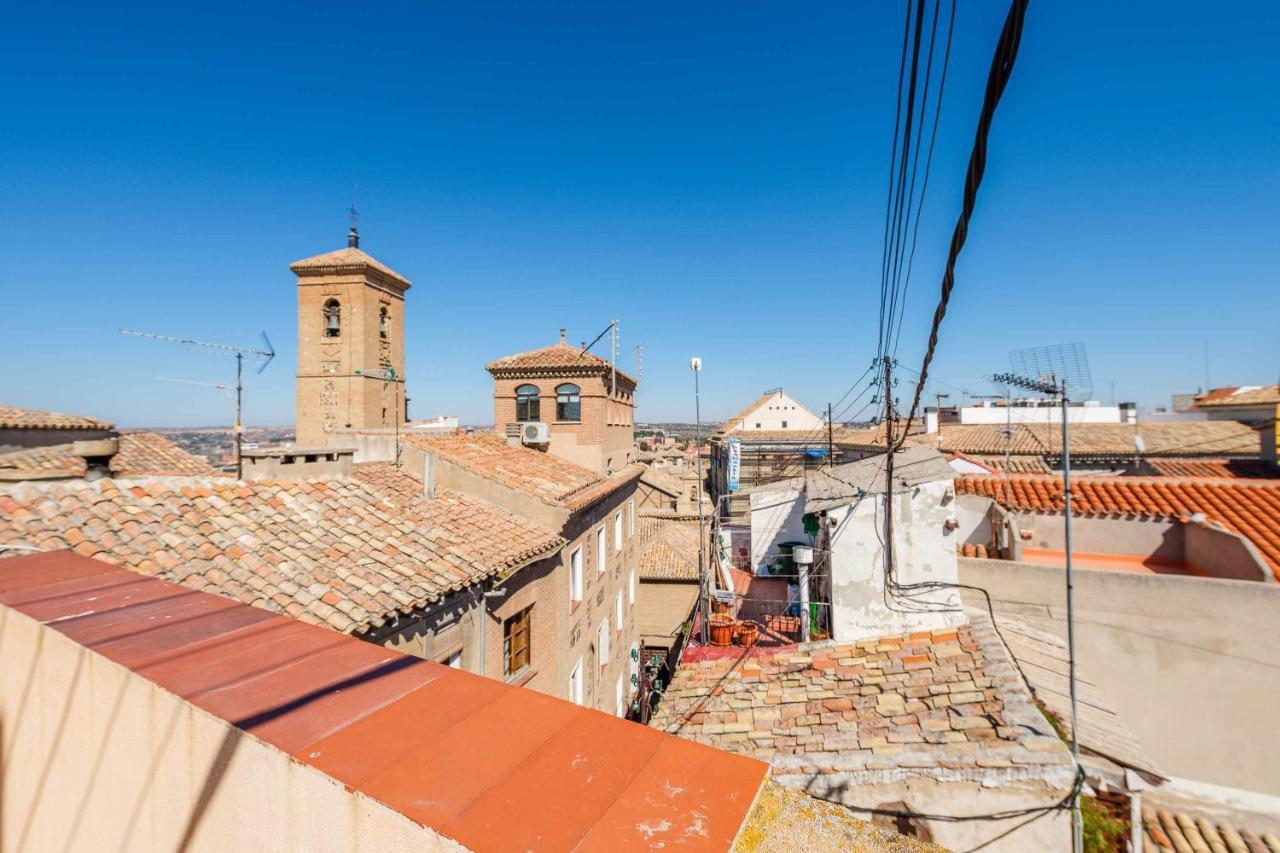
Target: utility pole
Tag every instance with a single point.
(239, 429)
(704, 586)
(888, 468)
(831, 443)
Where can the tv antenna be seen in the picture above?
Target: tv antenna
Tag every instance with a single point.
(214, 348)
(227, 389)
(1051, 371)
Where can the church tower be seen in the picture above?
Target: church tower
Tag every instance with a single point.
(350, 345)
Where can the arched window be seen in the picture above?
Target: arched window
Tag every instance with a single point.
(568, 407)
(383, 323)
(332, 319)
(528, 406)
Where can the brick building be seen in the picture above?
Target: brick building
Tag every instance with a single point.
(586, 404)
(350, 344)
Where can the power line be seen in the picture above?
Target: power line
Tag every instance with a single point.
(1001, 68)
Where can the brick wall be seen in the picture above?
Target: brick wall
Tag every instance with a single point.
(602, 438)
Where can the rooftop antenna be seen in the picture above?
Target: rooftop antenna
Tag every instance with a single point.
(353, 213)
(226, 389)
(1050, 371)
(240, 354)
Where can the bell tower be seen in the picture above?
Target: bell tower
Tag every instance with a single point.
(350, 344)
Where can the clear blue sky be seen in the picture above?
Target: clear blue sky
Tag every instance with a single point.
(712, 173)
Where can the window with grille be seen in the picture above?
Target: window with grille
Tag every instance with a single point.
(515, 642)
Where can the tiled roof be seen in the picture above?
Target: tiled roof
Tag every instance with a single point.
(1249, 469)
(488, 765)
(141, 454)
(1017, 464)
(669, 548)
(548, 478)
(346, 260)
(1262, 396)
(480, 529)
(340, 553)
(1175, 831)
(560, 359)
(1249, 508)
(14, 417)
(947, 702)
(1170, 438)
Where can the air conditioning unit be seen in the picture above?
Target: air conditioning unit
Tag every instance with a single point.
(535, 433)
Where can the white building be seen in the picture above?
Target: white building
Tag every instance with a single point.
(1046, 411)
(846, 508)
(774, 411)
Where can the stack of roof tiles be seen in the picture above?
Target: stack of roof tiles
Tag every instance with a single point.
(923, 703)
(142, 454)
(1250, 508)
(550, 479)
(347, 554)
(1177, 832)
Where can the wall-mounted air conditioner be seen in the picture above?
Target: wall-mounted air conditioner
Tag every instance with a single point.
(535, 433)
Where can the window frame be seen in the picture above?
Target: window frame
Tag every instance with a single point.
(520, 622)
(632, 587)
(602, 643)
(617, 531)
(617, 611)
(528, 406)
(575, 683)
(576, 403)
(575, 577)
(631, 518)
(620, 699)
(601, 557)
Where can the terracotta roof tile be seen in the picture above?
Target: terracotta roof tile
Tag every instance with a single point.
(1170, 438)
(346, 260)
(346, 554)
(1250, 469)
(1250, 508)
(669, 548)
(548, 478)
(1177, 831)
(141, 454)
(1261, 396)
(943, 702)
(14, 417)
(559, 359)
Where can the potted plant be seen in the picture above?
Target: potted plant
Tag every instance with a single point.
(721, 629)
(746, 633)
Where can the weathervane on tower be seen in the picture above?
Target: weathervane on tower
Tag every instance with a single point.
(353, 212)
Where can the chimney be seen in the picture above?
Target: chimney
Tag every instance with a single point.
(1128, 413)
(429, 476)
(931, 419)
(97, 454)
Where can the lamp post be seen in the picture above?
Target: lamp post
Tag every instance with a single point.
(695, 364)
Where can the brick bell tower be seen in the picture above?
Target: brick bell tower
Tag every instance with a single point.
(350, 344)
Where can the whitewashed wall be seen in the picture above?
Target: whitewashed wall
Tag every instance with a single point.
(775, 517)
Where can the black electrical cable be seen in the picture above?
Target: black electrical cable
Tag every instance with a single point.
(1001, 68)
(893, 160)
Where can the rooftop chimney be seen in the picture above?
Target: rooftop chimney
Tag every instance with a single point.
(429, 476)
(97, 454)
(931, 419)
(353, 238)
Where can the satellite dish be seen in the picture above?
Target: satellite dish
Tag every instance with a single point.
(1140, 444)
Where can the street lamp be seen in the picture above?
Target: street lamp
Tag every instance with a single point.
(695, 364)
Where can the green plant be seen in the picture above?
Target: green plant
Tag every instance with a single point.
(1103, 831)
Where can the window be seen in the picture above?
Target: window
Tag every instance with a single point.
(632, 586)
(757, 426)
(602, 642)
(528, 403)
(575, 683)
(600, 549)
(631, 518)
(784, 424)
(617, 531)
(515, 642)
(382, 323)
(622, 709)
(332, 319)
(568, 406)
(575, 576)
(617, 611)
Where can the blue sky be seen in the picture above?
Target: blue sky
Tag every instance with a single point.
(713, 174)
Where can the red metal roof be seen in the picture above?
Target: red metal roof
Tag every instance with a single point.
(492, 766)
